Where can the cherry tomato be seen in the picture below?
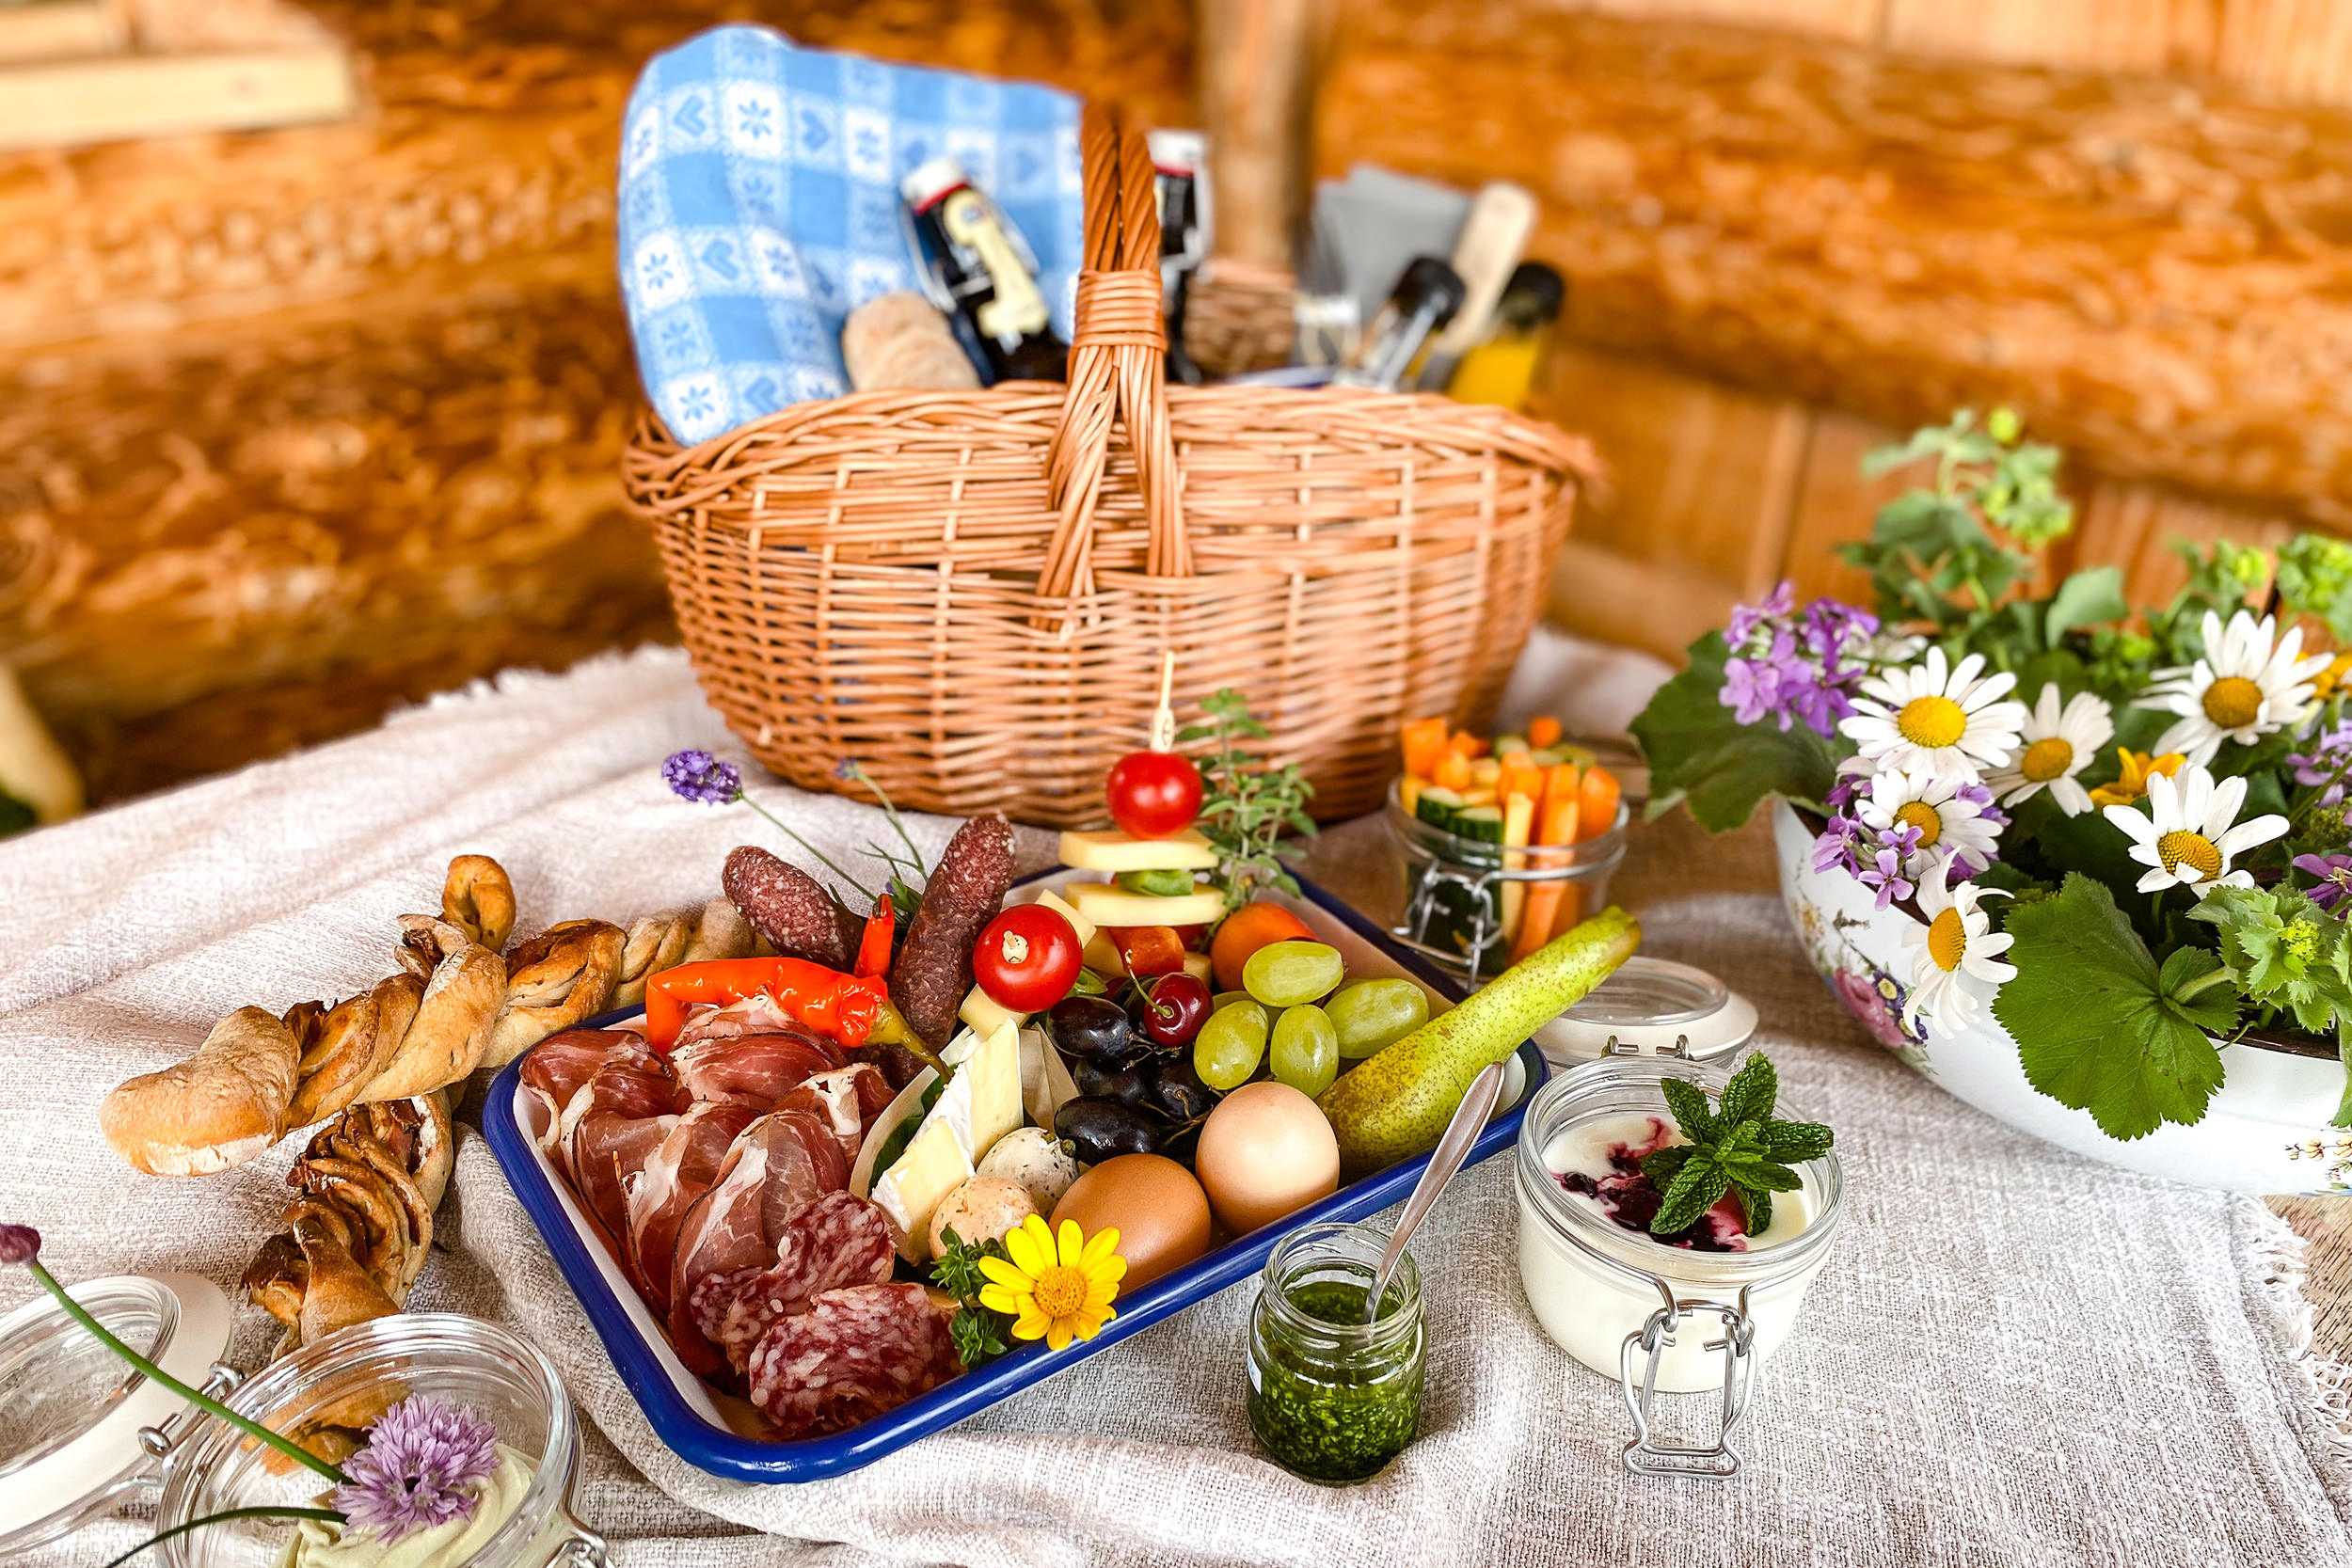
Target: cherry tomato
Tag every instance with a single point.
(1027, 959)
(1175, 1009)
(1154, 794)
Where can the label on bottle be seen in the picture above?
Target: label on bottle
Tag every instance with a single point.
(1016, 308)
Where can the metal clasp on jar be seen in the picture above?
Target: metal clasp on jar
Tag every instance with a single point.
(219, 1382)
(1644, 1455)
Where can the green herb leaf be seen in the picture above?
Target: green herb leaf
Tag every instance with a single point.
(1791, 1141)
(2084, 599)
(2282, 951)
(2094, 1027)
(1698, 755)
(1756, 1208)
(1688, 1102)
(1735, 1144)
(1750, 1094)
(1661, 1165)
(1697, 1187)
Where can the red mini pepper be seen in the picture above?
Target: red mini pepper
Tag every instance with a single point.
(873, 947)
(843, 1008)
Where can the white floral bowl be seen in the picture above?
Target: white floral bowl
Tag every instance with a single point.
(2265, 1130)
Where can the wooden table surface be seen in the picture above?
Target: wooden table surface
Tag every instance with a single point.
(1356, 861)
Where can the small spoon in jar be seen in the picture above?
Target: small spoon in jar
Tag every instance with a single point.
(1469, 1119)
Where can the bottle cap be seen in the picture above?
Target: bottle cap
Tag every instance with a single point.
(1429, 284)
(932, 179)
(1536, 292)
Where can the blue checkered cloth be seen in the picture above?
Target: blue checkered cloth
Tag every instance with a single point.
(759, 206)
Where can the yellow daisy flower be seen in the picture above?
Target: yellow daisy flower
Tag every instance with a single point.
(2333, 679)
(1054, 1290)
(2138, 767)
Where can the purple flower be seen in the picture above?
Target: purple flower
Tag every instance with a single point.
(419, 1468)
(1745, 618)
(2335, 878)
(1798, 670)
(698, 776)
(1873, 858)
(19, 1243)
(2328, 762)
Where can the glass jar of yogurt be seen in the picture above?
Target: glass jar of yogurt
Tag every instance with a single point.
(82, 1433)
(1693, 1314)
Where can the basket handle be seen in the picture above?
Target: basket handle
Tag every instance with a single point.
(1118, 355)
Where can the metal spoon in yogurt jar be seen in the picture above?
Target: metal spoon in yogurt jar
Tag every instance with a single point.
(1469, 1119)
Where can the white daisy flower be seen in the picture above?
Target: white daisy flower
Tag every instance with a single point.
(2059, 744)
(1959, 966)
(2251, 682)
(2187, 838)
(1948, 813)
(1935, 718)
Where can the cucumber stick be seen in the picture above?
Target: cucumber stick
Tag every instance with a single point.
(1519, 822)
(1396, 1105)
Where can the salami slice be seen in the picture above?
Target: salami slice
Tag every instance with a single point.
(834, 1243)
(853, 1355)
(791, 909)
(934, 970)
(775, 1167)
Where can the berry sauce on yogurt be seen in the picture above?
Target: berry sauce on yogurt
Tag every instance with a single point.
(1599, 1164)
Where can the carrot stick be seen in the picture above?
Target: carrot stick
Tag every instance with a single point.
(1468, 745)
(1596, 810)
(1555, 822)
(1424, 744)
(1542, 731)
(1519, 776)
(1518, 823)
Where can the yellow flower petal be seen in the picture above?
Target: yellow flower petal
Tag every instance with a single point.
(1031, 1325)
(1103, 1243)
(1059, 1337)
(1072, 1244)
(1004, 1274)
(1090, 1323)
(1113, 1269)
(1030, 1251)
(1101, 1293)
(997, 1299)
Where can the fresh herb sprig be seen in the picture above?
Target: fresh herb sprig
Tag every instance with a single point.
(1736, 1146)
(1247, 806)
(977, 1332)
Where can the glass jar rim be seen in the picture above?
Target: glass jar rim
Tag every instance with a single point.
(1318, 1245)
(1632, 1255)
(1588, 855)
(414, 1333)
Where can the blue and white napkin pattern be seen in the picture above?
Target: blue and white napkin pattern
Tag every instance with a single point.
(759, 206)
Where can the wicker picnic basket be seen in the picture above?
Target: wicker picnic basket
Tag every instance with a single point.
(969, 593)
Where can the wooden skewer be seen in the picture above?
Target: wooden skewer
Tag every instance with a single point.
(1164, 721)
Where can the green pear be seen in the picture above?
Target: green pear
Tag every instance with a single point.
(1396, 1105)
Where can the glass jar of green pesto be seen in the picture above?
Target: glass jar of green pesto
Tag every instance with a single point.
(1332, 1396)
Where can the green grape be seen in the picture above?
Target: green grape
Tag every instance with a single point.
(1373, 1015)
(1225, 999)
(1225, 1054)
(1306, 1050)
(1287, 973)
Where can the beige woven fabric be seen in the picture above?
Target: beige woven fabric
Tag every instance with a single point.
(2014, 1357)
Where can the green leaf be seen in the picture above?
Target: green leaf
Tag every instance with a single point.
(1793, 1142)
(1718, 766)
(1688, 1102)
(1696, 1188)
(2094, 1030)
(1755, 1209)
(1662, 1165)
(1763, 1175)
(15, 816)
(2197, 984)
(2084, 599)
(1750, 1094)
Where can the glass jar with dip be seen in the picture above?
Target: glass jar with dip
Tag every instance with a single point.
(1332, 1396)
(81, 1433)
(1660, 1318)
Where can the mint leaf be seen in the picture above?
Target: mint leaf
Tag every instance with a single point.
(1750, 1094)
(2093, 1027)
(1721, 768)
(1791, 1141)
(1688, 1101)
(1662, 1165)
(1755, 1207)
(1696, 1188)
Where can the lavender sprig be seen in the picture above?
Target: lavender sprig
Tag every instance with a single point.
(707, 781)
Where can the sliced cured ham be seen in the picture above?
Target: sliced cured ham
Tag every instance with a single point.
(756, 1014)
(752, 1069)
(853, 1355)
(608, 1151)
(835, 1241)
(774, 1167)
(677, 1172)
(627, 1088)
(846, 1099)
(558, 1066)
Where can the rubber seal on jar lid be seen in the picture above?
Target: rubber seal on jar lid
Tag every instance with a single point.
(47, 1362)
(1650, 1002)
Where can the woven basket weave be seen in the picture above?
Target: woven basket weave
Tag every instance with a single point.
(968, 594)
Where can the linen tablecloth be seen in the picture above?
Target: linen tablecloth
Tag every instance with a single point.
(2014, 1356)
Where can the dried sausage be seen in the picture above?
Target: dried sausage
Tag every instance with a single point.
(853, 1355)
(933, 971)
(834, 1243)
(797, 914)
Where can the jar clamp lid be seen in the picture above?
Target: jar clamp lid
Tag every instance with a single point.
(1651, 1003)
(91, 1428)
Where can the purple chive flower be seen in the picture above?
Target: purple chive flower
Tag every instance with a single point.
(19, 1243)
(698, 776)
(2335, 878)
(419, 1469)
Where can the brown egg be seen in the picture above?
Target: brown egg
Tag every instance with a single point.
(1162, 1215)
(1265, 1151)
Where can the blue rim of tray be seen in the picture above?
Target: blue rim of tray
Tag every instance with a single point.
(694, 1439)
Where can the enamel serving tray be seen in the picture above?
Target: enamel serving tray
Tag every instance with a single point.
(689, 1416)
